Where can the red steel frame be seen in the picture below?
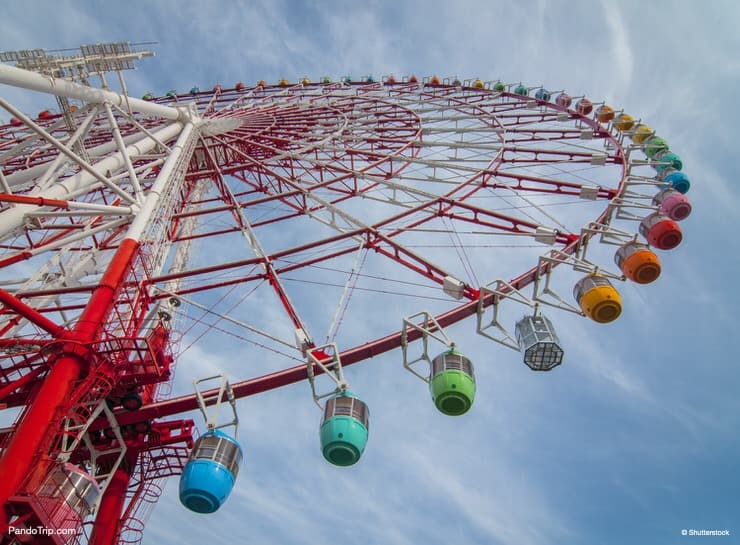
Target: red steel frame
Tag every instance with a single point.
(49, 367)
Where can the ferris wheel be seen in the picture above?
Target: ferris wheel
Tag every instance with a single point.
(317, 223)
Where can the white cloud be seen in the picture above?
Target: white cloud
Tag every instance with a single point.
(621, 51)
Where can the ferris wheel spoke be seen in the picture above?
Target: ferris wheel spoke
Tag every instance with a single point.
(460, 145)
(528, 117)
(344, 299)
(404, 256)
(417, 195)
(546, 133)
(226, 317)
(326, 245)
(540, 184)
(253, 241)
(522, 154)
(385, 245)
(489, 222)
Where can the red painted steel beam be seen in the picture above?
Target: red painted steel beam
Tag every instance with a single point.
(559, 184)
(31, 314)
(106, 528)
(17, 461)
(38, 201)
(33, 432)
(25, 379)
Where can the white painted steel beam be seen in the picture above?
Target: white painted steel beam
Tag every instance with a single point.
(83, 182)
(151, 202)
(17, 77)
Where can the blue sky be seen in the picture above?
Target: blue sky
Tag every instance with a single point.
(635, 437)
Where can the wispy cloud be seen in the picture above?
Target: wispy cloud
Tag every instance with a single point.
(621, 51)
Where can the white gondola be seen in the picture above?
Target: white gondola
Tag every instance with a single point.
(539, 343)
